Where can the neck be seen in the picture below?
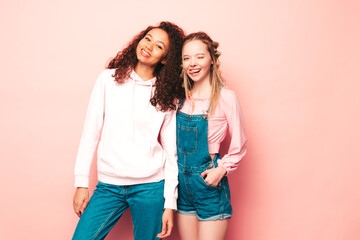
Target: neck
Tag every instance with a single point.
(144, 71)
(201, 89)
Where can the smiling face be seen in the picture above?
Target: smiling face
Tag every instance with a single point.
(152, 49)
(197, 60)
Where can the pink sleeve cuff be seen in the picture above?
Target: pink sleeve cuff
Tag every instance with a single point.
(221, 164)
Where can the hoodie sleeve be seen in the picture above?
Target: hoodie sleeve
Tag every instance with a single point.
(168, 142)
(91, 132)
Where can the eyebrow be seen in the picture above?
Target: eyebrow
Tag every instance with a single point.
(195, 54)
(157, 40)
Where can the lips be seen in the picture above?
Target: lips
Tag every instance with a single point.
(145, 53)
(194, 71)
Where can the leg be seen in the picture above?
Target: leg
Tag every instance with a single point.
(213, 230)
(104, 210)
(146, 203)
(213, 209)
(187, 226)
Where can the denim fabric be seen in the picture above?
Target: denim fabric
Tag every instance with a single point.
(109, 202)
(196, 197)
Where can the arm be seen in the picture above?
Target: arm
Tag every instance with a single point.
(168, 142)
(237, 147)
(89, 140)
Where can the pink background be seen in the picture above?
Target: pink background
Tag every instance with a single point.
(293, 64)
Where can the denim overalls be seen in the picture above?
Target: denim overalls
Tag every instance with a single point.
(196, 197)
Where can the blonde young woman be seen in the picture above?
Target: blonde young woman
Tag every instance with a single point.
(205, 116)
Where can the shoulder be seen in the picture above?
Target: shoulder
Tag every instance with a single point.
(228, 95)
(105, 77)
(106, 74)
(169, 113)
(229, 103)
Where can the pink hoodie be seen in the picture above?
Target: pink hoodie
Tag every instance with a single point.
(137, 142)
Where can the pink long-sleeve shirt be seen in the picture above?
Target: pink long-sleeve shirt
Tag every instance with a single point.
(226, 118)
(137, 142)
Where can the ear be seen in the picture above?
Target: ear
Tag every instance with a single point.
(163, 61)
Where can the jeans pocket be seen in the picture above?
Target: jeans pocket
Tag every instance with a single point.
(204, 183)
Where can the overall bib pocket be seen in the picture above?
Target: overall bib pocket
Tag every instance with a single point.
(188, 142)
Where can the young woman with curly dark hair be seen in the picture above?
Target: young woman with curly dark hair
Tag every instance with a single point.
(131, 112)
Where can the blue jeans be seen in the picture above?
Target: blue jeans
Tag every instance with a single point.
(109, 202)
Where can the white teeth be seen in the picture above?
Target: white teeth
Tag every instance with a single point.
(145, 53)
(195, 71)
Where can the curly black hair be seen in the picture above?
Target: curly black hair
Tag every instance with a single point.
(169, 83)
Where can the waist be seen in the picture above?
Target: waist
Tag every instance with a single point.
(188, 167)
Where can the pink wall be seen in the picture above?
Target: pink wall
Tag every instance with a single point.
(295, 68)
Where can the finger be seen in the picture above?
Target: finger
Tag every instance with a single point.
(167, 233)
(215, 183)
(210, 182)
(78, 212)
(204, 173)
(76, 208)
(160, 235)
(208, 179)
(163, 230)
(83, 206)
(79, 206)
(169, 229)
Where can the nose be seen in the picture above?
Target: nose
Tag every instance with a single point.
(192, 62)
(149, 46)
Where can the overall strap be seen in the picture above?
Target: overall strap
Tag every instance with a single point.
(205, 113)
(181, 104)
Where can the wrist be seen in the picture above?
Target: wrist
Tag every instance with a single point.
(222, 170)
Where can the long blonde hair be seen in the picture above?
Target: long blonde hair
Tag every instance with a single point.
(216, 80)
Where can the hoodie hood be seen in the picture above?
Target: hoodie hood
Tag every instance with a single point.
(139, 81)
